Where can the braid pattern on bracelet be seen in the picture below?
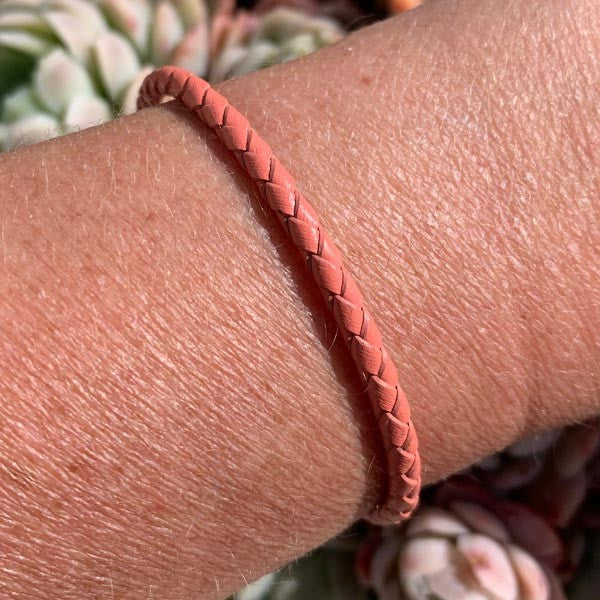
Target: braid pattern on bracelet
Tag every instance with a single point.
(299, 219)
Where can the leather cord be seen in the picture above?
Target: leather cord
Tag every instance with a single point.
(343, 297)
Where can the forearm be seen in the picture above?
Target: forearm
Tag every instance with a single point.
(177, 414)
(456, 166)
(172, 418)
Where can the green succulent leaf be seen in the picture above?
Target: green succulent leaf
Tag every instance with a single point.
(15, 68)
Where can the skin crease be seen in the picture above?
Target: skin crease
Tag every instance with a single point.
(177, 413)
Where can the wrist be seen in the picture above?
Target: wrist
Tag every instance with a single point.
(456, 215)
(182, 375)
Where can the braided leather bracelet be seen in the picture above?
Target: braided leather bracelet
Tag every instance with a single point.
(324, 260)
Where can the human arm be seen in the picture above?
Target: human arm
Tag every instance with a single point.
(176, 413)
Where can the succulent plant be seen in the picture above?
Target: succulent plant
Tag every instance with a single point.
(552, 472)
(252, 42)
(586, 583)
(86, 59)
(463, 552)
(346, 12)
(69, 64)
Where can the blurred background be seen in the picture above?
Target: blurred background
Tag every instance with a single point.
(69, 64)
(522, 524)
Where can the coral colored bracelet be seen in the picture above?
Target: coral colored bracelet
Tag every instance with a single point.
(323, 259)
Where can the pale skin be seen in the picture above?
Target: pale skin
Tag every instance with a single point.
(178, 415)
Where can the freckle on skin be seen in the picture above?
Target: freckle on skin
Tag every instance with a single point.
(365, 80)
